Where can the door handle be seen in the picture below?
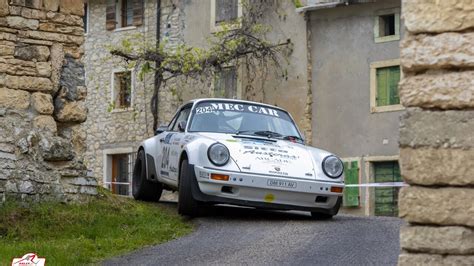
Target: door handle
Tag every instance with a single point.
(162, 140)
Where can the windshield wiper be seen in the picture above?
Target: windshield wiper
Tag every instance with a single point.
(264, 133)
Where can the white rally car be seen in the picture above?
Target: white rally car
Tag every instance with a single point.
(220, 151)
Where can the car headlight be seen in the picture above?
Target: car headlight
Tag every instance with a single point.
(218, 154)
(332, 166)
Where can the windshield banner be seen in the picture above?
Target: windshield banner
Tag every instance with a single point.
(207, 108)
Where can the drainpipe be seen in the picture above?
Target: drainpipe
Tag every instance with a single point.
(158, 34)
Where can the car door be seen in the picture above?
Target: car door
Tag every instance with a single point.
(162, 152)
(171, 146)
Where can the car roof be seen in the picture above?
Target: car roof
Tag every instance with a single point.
(232, 100)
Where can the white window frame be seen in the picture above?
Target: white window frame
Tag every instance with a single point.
(107, 166)
(217, 28)
(373, 86)
(390, 38)
(113, 91)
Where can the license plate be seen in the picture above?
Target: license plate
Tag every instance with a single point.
(279, 183)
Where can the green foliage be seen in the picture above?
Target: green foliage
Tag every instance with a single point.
(111, 107)
(83, 234)
(297, 3)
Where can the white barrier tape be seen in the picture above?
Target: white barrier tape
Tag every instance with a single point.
(386, 184)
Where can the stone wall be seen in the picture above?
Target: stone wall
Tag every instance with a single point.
(109, 128)
(42, 94)
(436, 133)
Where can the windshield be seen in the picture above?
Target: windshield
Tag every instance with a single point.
(242, 118)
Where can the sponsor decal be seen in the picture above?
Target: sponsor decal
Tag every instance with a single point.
(269, 197)
(29, 259)
(237, 107)
(168, 138)
(272, 154)
(173, 169)
(278, 173)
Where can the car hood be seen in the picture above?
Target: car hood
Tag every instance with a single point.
(260, 155)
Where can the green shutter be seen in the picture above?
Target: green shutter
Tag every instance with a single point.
(351, 194)
(393, 85)
(386, 198)
(387, 85)
(382, 97)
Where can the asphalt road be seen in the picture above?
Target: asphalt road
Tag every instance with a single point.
(240, 236)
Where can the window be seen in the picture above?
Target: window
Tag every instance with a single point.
(183, 116)
(225, 83)
(386, 198)
(119, 176)
(86, 17)
(387, 26)
(124, 13)
(387, 85)
(225, 11)
(384, 79)
(122, 90)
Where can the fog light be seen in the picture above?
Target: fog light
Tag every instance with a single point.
(337, 189)
(220, 177)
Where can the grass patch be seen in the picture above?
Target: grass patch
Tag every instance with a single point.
(81, 234)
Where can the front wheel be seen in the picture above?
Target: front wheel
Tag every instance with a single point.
(143, 189)
(187, 205)
(321, 216)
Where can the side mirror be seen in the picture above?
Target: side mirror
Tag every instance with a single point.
(161, 129)
(182, 126)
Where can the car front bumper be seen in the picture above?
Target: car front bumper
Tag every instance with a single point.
(255, 190)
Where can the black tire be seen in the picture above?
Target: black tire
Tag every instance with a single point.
(143, 189)
(328, 216)
(187, 205)
(321, 216)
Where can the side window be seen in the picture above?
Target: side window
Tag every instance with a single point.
(183, 116)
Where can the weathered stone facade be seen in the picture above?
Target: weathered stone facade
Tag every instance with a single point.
(112, 132)
(436, 139)
(42, 107)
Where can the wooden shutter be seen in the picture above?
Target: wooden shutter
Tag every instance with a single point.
(386, 198)
(110, 17)
(351, 194)
(382, 96)
(137, 12)
(394, 97)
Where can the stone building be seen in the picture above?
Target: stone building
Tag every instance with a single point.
(42, 94)
(118, 101)
(436, 133)
(355, 69)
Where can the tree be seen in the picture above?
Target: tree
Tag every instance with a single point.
(241, 42)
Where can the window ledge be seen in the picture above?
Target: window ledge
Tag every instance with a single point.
(122, 110)
(232, 26)
(125, 28)
(387, 108)
(389, 38)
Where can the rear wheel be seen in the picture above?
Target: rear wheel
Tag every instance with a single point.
(187, 205)
(143, 189)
